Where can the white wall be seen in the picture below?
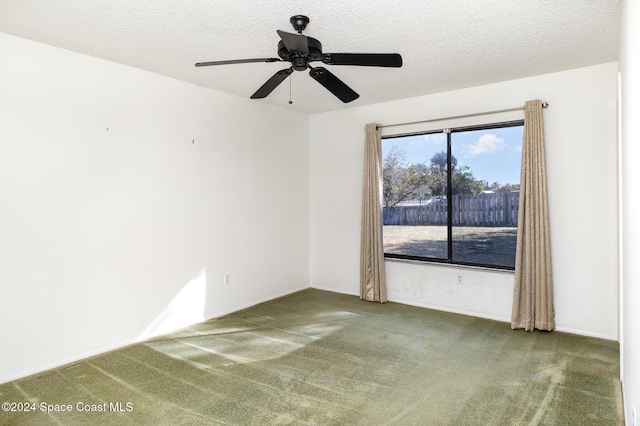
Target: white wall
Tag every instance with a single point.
(630, 100)
(111, 236)
(125, 196)
(580, 131)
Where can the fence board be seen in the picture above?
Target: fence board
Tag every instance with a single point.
(497, 209)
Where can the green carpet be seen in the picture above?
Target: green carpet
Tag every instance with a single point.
(319, 358)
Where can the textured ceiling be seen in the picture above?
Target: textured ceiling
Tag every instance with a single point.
(446, 45)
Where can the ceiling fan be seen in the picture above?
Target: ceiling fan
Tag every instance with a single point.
(301, 50)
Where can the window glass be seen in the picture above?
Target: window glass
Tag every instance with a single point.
(414, 191)
(485, 193)
(478, 169)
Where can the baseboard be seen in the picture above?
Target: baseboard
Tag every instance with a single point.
(94, 352)
(624, 402)
(474, 314)
(250, 304)
(66, 361)
(333, 290)
(503, 319)
(104, 349)
(451, 310)
(422, 305)
(586, 333)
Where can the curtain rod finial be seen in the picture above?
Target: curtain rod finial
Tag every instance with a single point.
(545, 104)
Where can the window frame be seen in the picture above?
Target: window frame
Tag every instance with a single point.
(449, 260)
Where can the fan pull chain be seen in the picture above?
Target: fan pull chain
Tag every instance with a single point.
(290, 101)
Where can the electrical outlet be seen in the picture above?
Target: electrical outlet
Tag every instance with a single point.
(227, 279)
(459, 280)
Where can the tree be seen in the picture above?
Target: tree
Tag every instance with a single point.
(392, 171)
(508, 187)
(438, 183)
(498, 187)
(401, 180)
(495, 186)
(439, 161)
(463, 182)
(462, 179)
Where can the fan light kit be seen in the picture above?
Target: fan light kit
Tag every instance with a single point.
(301, 50)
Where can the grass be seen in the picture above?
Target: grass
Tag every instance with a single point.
(489, 246)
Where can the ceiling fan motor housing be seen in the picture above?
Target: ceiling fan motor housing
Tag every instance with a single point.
(300, 60)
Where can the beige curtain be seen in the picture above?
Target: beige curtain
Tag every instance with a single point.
(533, 292)
(372, 279)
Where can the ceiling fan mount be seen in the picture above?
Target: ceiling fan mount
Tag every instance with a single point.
(299, 23)
(300, 50)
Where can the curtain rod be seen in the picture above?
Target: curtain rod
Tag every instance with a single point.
(544, 105)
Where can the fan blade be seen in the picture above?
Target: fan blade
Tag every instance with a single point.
(272, 83)
(294, 42)
(237, 61)
(363, 59)
(333, 84)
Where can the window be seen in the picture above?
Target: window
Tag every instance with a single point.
(478, 170)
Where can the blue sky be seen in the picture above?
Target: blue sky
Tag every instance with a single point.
(493, 155)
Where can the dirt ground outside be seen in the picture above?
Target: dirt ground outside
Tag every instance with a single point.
(489, 246)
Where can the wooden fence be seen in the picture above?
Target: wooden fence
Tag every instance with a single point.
(497, 209)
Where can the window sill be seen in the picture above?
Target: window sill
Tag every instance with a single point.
(450, 265)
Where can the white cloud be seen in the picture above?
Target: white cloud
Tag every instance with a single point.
(430, 139)
(487, 143)
(518, 148)
(436, 138)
